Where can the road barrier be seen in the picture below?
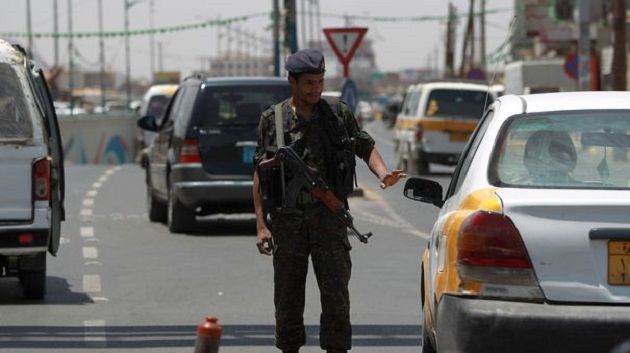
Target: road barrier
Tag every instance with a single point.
(99, 138)
(208, 336)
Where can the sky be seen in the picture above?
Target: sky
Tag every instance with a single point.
(399, 45)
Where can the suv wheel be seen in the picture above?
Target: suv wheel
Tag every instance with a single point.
(180, 217)
(156, 209)
(34, 282)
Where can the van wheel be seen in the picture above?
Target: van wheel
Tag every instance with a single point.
(34, 282)
(422, 166)
(180, 218)
(156, 209)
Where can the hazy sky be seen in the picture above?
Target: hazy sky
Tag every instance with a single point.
(398, 45)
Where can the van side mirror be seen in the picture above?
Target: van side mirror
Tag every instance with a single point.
(424, 190)
(148, 123)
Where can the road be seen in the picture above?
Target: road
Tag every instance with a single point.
(121, 283)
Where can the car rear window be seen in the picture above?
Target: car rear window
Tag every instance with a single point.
(566, 150)
(15, 116)
(457, 103)
(236, 105)
(157, 105)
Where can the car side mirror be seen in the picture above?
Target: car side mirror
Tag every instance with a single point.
(424, 190)
(148, 123)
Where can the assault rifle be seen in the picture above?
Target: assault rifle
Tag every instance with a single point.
(303, 175)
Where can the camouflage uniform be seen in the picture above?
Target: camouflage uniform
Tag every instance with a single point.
(314, 231)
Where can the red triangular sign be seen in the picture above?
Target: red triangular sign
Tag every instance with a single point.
(345, 41)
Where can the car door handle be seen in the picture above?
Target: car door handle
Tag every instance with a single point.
(609, 233)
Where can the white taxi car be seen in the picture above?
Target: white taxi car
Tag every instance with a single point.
(531, 248)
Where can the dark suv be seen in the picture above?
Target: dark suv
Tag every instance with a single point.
(201, 160)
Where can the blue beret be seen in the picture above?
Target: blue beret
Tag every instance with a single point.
(309, 61)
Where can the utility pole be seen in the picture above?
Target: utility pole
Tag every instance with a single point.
(619, 64)
(451, 24)
(291, 38)
(303, 22)
(152, 39)
(276, 38)
(101, 44)
(127, 57)
(56, 32)
(482, 28)
(160, 56)
(468, 38)
(319, 26)
(70, 58)
(29, 28)
(584, 45)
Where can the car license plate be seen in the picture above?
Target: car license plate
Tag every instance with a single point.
(458, 136)
(248, 153)
(619, 262)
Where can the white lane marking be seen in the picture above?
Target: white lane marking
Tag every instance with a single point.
(88, 202)
(100, 299)
(87, 232)
(95, 335)
(64, 241)
(111, 171)
(90, 252)
(102, 179)
(94, 263)
(91, 193)
(97, 185)
(86, 212)
(91, 240)
(393, 215)
(91, 283)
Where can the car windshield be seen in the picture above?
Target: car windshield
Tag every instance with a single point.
(238, 104)
(457, 103)
(15, 119)
(566, 150)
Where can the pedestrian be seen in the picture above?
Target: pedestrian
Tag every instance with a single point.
(331, 138)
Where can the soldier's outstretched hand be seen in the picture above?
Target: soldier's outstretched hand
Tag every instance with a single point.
(392, 178)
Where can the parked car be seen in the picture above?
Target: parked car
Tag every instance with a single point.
(201, 160)
(436, 120)
(31, 172)
(364, 111)
(530, 249)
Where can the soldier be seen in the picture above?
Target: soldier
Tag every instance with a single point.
(331, 138)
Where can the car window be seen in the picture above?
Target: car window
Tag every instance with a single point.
(156, 107)
(174, 107)
(15, 115)
(411, 103)
(567, 149)
(456, 103)
(236, 104)
(469, 153)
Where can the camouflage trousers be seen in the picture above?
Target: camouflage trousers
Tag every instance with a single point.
(319, 234)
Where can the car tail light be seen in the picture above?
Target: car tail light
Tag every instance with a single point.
(492, 255)
(25, 238)
(41, 179)
(418, 135)
(189, 152)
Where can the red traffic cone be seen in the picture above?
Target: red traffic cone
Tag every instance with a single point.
(208, 336)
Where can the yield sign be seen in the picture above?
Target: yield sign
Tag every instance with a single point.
(344, 42)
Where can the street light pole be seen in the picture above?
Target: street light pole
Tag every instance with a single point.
(152, 39)
(70, 58)
(29, 27)
(101, 44)
(127, 57)
(584, 45)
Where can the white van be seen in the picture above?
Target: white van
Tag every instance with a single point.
(436, 121)
(31, 172)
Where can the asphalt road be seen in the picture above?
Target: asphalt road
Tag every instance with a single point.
(121, 283)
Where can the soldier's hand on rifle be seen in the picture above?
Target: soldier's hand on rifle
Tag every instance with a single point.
(391, 178)
(264, 241)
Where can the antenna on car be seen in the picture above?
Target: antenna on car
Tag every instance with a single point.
(501, 47)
